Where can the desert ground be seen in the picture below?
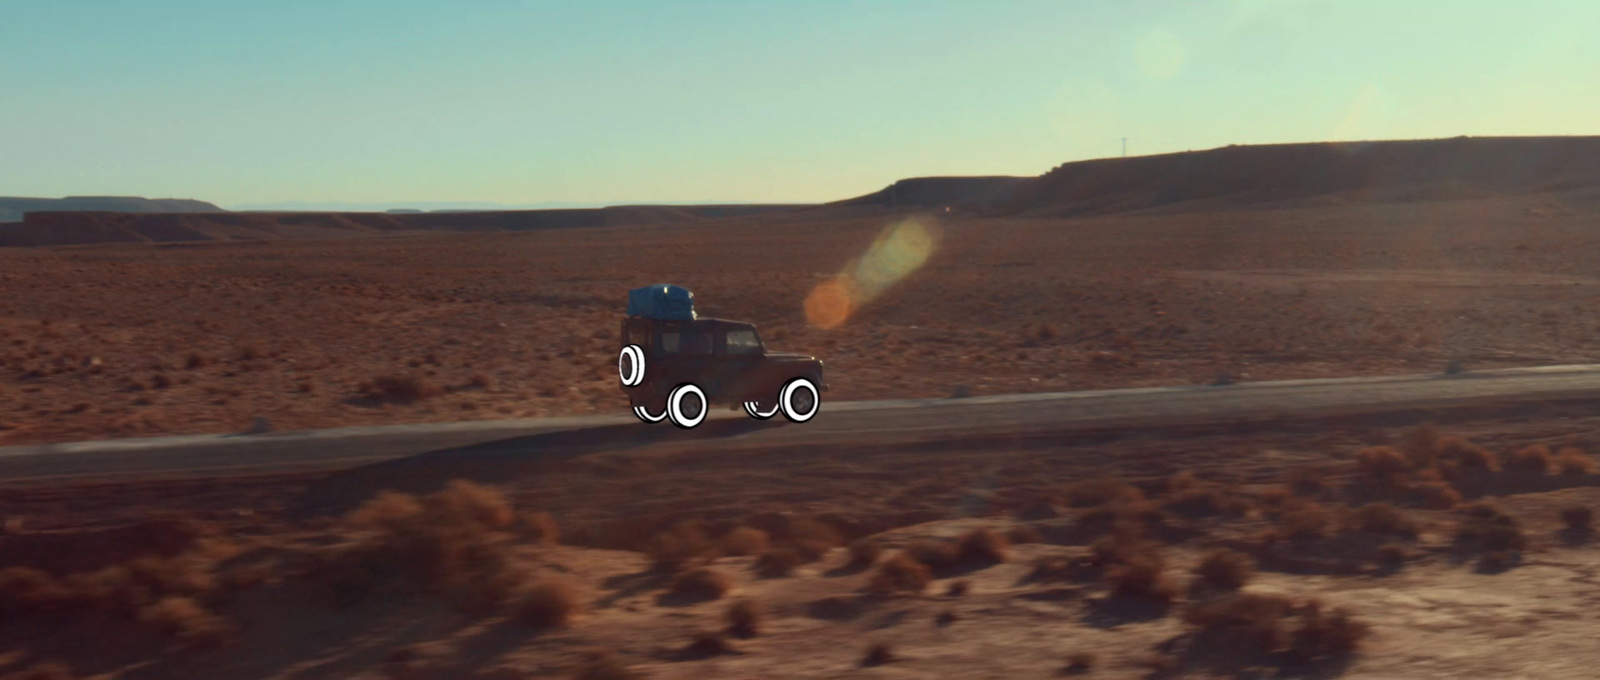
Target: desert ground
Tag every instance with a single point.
(118, 341)
(1362, 549)
(1368, 551)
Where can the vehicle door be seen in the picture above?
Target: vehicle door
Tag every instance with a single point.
(739, 362)
(687, 354)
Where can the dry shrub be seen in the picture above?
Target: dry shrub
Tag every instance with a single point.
(1142, 576)
(744, 541)
(1304, 520)
(540, 528)
(806, 530)
(1308, 481)
(401, 389)
(1435, 495)
(1323, 633)
(1206, 501)
(1224, 569)
(1578, 518)
(936, 555)
(1022, 534)
(1391, 555)
(902, 572)
(981, 547)
(706, 645)
(744, 618)
(603, 665)
(123, 592)
(680, 545)
(481, 381)
(1079, 663)
(1486, 528)
(1573, 461)
(777, 563)
(700, 584)
(1247, 624)
(1463, 456)
(1383, 518)
(958, 588)
(1381, 462)
(864, 552)
(1273, 499)
(453, 540)
(945, 618)
(1422, 445)
(1182, 481)
(877, 654)
(1496, 561)
(810, 550)
(1058, 568)
(1159, 664)
(185, 619)
(1530, 459)
(1097, 492)
(548, 603)
(43, 670)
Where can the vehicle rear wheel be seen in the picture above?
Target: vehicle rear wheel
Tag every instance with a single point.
(649, 407)
(643, 413)
(761, 410)
(800, 400)
(687, 405)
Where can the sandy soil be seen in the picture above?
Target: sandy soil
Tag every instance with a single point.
(246, 548)
(120, 341)
(319, 575)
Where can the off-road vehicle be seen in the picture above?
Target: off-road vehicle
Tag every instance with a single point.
(676, 366)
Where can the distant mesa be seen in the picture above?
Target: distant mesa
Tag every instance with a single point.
(12, 209)
(939, 192)
(1260, 177)
(1274, 175)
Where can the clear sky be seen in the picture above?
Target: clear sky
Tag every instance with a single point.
(254, 101)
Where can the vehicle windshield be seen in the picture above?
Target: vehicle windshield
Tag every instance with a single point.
(743, 341)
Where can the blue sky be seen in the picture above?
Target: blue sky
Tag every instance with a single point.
(242, 102)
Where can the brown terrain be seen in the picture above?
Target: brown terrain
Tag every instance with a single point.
(1374, 549)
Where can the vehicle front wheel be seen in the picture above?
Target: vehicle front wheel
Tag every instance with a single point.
(687, 405)
(799, 400)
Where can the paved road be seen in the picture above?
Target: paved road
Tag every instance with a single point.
(915, 420)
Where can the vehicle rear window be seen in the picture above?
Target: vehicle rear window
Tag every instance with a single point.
(743, 342)
(691, 342)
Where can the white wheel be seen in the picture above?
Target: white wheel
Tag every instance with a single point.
(754, 410)
(644, 414)
(799, 400)
(686, 406)
(630, 365)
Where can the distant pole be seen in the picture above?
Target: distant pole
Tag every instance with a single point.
(1124, 147)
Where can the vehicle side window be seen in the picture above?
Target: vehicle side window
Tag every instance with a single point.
(691, 342)
(697, 343)
(634, 335)
(743, 342)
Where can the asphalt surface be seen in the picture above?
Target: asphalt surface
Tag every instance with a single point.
(918, 420)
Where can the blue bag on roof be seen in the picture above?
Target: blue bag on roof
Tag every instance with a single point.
(662, 301)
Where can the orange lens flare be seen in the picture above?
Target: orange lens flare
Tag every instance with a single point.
(828, 305)
(902, 248)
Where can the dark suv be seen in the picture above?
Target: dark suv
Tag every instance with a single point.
(678, 369)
